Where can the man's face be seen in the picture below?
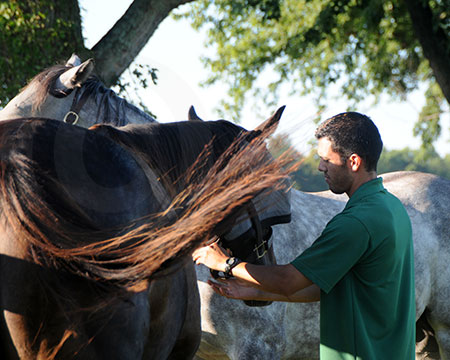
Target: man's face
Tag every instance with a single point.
(337, 174)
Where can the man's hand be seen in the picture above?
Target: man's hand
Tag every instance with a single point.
(272, 282)
(234, 289)
(212, 256)
(242, 290)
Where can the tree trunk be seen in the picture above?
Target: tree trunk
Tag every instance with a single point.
(435, 42)
(69, 12)
(123, 42)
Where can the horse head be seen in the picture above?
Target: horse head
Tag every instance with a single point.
(71, 93)
(249, 240)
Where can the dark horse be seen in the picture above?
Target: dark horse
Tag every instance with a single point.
(98, 226)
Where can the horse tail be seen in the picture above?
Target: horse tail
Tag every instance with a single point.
(36, 207)
(207, 207)
(26, 206)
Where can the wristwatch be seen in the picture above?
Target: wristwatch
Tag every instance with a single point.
(230, 263)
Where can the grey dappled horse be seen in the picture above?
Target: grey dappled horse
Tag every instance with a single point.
(86, 271)
(70, 92)
(291, 330)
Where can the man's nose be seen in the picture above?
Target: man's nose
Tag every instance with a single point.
(321, 166)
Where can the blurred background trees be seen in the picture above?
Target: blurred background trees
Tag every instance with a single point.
(35, 34)
(308, 178)
(352, 49)
(360, 47)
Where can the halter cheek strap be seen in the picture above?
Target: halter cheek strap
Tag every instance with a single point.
(72, 115)
(261, 243)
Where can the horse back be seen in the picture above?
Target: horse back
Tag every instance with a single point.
(97, 178)
(426, 193)
(89, 184)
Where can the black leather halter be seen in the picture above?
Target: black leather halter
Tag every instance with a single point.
(261, 247)
(250, 250)
(78, 102)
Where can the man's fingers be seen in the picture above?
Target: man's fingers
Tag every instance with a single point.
(217, 288)
(222, 287)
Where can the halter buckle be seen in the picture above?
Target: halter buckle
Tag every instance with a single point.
(68, 118)
(263, 246)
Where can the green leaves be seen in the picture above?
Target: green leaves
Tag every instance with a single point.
(428, 127)
(138, 79)
(364, 47)
(32, 35)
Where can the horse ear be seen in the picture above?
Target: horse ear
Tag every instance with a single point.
(271, 123)
(73, 61)
(192, 115)
(76, 76)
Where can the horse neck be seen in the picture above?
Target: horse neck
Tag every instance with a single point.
(171, 149)
(103, 105)
(22, 105)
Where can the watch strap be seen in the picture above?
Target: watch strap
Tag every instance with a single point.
(230, 264)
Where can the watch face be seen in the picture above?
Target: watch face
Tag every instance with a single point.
(231, 260)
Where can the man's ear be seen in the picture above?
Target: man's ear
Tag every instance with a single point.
(355, 162)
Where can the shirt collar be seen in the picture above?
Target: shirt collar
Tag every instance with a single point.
(371, 187)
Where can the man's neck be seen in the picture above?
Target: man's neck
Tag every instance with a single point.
(361, 179)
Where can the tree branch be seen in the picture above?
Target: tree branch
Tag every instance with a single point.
(123, 42)
(435, 43)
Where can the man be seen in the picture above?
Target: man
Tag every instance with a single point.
(361, 267)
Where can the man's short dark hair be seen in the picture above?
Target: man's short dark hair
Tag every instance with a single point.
(353, 133)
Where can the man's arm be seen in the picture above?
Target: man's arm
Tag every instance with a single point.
(283, 280)
(238, 289)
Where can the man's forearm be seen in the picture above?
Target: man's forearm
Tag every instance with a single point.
(308, 294)
(283, 280)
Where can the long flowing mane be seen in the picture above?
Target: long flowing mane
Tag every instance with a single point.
(36, 207)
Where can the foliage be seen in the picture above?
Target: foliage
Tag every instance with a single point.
(360, 47)
(36, 34)
(138, 79)
(425, 160)
(428, 127)
(33, 34)
(308, 178)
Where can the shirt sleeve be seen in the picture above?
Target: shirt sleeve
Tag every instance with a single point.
(341, 244)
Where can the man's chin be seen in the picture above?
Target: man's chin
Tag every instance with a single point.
(337, 191)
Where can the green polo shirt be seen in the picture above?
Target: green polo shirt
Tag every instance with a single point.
(363, 263)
